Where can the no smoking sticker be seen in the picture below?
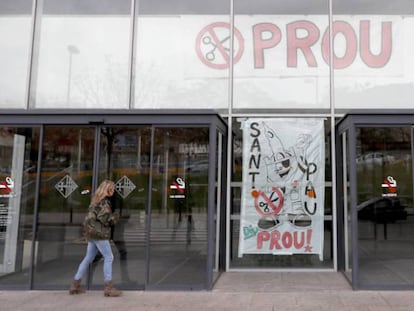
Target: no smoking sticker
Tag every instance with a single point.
(213, 45)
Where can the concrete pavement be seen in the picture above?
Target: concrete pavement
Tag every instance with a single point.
(234, 291)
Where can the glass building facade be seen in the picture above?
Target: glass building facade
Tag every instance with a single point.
(125, 90)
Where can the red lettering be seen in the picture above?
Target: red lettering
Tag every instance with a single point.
(262, 236)
(260, 44)
(380, 60)
(304, 37)
(341, 27)
(298, 244)
(294, 43)
(275, 240)
(308, 247)
(287, 240)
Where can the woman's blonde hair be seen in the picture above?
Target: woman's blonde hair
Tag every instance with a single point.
(103, 191)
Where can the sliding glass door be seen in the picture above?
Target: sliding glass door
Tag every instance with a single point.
(375, 201)
(168, 175)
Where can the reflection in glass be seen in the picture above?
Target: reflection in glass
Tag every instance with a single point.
(82, 55)
(371, 48)
(173, 53)
(178, 223)
(283, 61)
(15, 40)
(18, 154)
(65, 187)
(385, 199)
(124, 158)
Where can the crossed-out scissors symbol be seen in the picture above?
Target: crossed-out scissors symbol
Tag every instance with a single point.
(211, 55)
(270, 200)
(268, 205)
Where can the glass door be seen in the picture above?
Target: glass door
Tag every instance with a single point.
(169, 193)
(179, 208)
(18, 166)
(74, 161)
(375, 199)
(385, 218)
(65, 185)
(124, 154)
(161, 194)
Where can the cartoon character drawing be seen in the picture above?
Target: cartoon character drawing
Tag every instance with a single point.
(290, 171)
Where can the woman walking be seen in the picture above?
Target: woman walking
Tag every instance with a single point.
(98, 232)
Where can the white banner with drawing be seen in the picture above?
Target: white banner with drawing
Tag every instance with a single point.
(282, 205)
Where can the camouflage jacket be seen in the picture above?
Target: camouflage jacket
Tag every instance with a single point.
(98, 221)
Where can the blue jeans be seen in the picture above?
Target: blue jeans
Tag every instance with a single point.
(104, 248)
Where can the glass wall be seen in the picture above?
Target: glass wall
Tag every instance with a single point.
(372, 54)
(15, 46)
(176, 54)
(81, 54)
(270, 58)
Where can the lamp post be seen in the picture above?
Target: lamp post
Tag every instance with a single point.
(72, 49)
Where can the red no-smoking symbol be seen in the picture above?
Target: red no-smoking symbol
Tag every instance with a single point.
(268, 205)
(213, 45)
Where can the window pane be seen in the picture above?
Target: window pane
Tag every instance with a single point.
(373, 48)
(176, 65)
(15, 32)
(82, 55)
(281, 59)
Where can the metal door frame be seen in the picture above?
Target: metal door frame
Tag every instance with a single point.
(348, 125)
(151, 118)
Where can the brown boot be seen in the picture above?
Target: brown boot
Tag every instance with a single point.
(75, 288)
(111, 291)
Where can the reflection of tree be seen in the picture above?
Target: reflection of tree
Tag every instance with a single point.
(110, 134)
(144, 87)
(6, 136)
(90, 88)
(113, 135)
(183, 135)
(65, 141)
(108, 90)
(383, 138)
